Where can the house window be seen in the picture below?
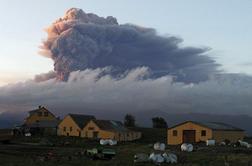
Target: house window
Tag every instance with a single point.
(46, 114)
(90, 128)
(71, 129)
(203, 133)
(64, 128)
(175, 133)
(39, 113)
(86, 134)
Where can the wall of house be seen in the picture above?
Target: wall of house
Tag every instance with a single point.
(41, 115)
(175, 140)
(91, 127)
(68, 127)
(128, 136)
(233, 136)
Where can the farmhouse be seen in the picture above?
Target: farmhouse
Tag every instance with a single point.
(41, 121)
(191, 132)
(73, 124)
(109, 129)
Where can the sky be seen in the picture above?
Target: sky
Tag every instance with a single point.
(224, 26)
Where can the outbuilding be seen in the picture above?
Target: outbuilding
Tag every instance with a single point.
(193, 132)
(109, 129)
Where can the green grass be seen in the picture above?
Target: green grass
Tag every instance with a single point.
(33, 154)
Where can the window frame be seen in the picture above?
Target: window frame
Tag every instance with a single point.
(174, 133)
(46, 114)
(203, 133)
(40, 114)
(90, 128)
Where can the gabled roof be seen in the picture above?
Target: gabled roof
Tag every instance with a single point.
(110, 125)
(39, 109)
(81, 120)
(212, 125)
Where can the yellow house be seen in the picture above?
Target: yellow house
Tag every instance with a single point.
(191, 132)
(72, 125)
(109, 129)
(38, 115)
(40, 121)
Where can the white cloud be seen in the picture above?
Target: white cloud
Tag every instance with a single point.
(91, 90)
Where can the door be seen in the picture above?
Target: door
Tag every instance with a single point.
(95, 134)
(189, 136)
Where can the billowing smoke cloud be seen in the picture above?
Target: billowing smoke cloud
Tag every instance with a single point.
(92, 90)
(80, 40)
(45, 76)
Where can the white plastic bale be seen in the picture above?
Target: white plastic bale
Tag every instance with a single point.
(156, 146)
(170, 158)
(162, 147)
(159, 146)
(244, 144)
(104, 142)
(223, 143)
(152, 156)
(159, 158)
(112, 142)
(187, 147)
(210, 142)
(156, 158)
(27, 134)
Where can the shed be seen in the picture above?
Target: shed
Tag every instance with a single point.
(109, 129)
(192, 132)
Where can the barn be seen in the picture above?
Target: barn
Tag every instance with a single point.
(193, 132)
(109, 129)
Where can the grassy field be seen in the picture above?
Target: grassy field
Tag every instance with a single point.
(62, 151)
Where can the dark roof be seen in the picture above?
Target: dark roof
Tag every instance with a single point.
(219, 126)
(213, 126)
(81, 120)
(38, 109)
(111, 125)
(44, 124)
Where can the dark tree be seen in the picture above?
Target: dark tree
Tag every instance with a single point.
(129, 120)
(158, 122)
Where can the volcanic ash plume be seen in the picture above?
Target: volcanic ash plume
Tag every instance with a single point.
(80, 40)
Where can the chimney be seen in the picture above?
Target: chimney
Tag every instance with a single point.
(39, 106)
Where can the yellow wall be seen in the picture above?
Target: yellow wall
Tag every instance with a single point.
(233, 136)
(91, 127)
(68, 123)
(175, 140)
(33, 118)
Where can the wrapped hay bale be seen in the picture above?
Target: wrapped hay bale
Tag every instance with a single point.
(210, 142)
(156, 158)
(159, 146)
(112, 142)
(170, 158)
(186, 147)
(104, 142)
(244, 144)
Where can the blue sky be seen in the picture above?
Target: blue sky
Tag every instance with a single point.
(225, 26)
